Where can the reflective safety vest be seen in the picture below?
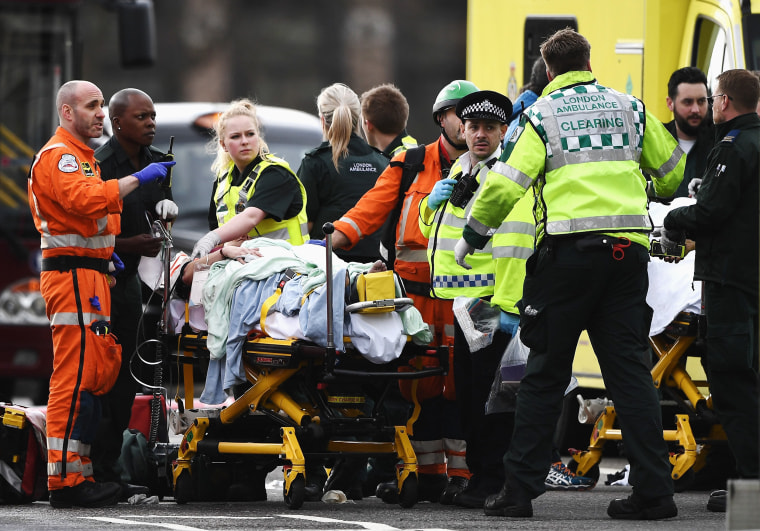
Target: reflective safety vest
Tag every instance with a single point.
(407, 142)
(583, 145)
(512, 241)
(231, 200)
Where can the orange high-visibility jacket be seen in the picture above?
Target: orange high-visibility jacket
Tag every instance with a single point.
(75, 211)
(373, 208)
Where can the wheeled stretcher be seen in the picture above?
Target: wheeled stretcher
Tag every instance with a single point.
(304, 402)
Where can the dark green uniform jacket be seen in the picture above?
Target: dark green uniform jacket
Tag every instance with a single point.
(330, 193)
(114, 164)
(724, 221)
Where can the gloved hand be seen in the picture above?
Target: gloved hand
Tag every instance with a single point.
(167, 209)
(441, 192)
(508, 323)
(461, 250)
(694, 185)
(205, 244)
(155, 171)
(670, 239)
(116, 266)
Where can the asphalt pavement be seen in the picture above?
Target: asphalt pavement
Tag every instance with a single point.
(554, 510)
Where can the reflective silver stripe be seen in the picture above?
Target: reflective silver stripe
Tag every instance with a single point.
(512, 251)
(669, 165)
(72, 467)
(353, 225)
(433, 458)
(581, 157)
(505, 170)
(71, 318)
(456, 461)
(455, 445)
(518, 227)
(411, 255)
(77, 447)
(279, 234)
(463, 281)
(452, 220)
(448, 330)
(75, 240)
(448, 244)
(633, 222)
(305, 228)
(7, 473)
(433, 446)
(404, 217)
(478, 227)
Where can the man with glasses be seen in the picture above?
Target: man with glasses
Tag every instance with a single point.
(724, 223)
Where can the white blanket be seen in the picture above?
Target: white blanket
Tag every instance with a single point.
(672, 288)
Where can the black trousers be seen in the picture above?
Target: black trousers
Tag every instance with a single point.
(731, 365)
(487, 436)
(566, 291)
(126, 309)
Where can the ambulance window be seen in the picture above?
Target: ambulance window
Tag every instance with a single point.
(751, 30)
(711, 52)
(537, 30)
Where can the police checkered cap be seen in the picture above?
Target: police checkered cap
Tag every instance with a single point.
(485, 105)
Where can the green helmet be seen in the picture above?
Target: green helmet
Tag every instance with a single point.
(451, 94)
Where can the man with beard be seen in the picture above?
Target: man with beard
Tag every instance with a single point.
(691, 125)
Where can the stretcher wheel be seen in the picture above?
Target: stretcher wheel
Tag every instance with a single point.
(593, 472)
(183, 488)
(407, 497)
(295, 498)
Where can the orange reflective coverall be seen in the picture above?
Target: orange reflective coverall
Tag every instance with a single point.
(412, 266)
(77, 215)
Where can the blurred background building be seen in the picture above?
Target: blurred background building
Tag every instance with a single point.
(283, 52)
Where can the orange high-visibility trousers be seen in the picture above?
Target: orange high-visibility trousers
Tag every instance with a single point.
(85, 365)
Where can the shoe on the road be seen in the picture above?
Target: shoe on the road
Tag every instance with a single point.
(562, 478)
(128, 490)
(455, 486)
(636, 508)
(717, 501)
(387, 491)
(508, 502)
(86, 494)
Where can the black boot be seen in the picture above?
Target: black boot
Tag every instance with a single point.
(635, 508)
(717, 501)
(86, 494)
(508, 502)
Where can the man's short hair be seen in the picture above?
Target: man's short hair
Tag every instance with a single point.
(742, 86)
(386, 108)
(566, 51)
(687, 74)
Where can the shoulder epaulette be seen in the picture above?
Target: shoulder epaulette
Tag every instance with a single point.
(156, 151)
(103, 152)
(322, 147)
(731, 136)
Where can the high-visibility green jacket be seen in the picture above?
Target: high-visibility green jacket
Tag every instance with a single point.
(505, 255)
(582, 146)
(231, 200)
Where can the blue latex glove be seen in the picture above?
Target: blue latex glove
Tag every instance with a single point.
(118, 265)
(441, 192)
(155, 171)
(508, 323)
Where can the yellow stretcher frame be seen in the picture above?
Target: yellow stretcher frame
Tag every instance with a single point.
(671, 348)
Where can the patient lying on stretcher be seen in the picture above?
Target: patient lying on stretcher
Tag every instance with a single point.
(235, 293)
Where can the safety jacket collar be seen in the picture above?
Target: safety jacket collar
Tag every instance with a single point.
(71, 139)
(465, 161)
(574, 77)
